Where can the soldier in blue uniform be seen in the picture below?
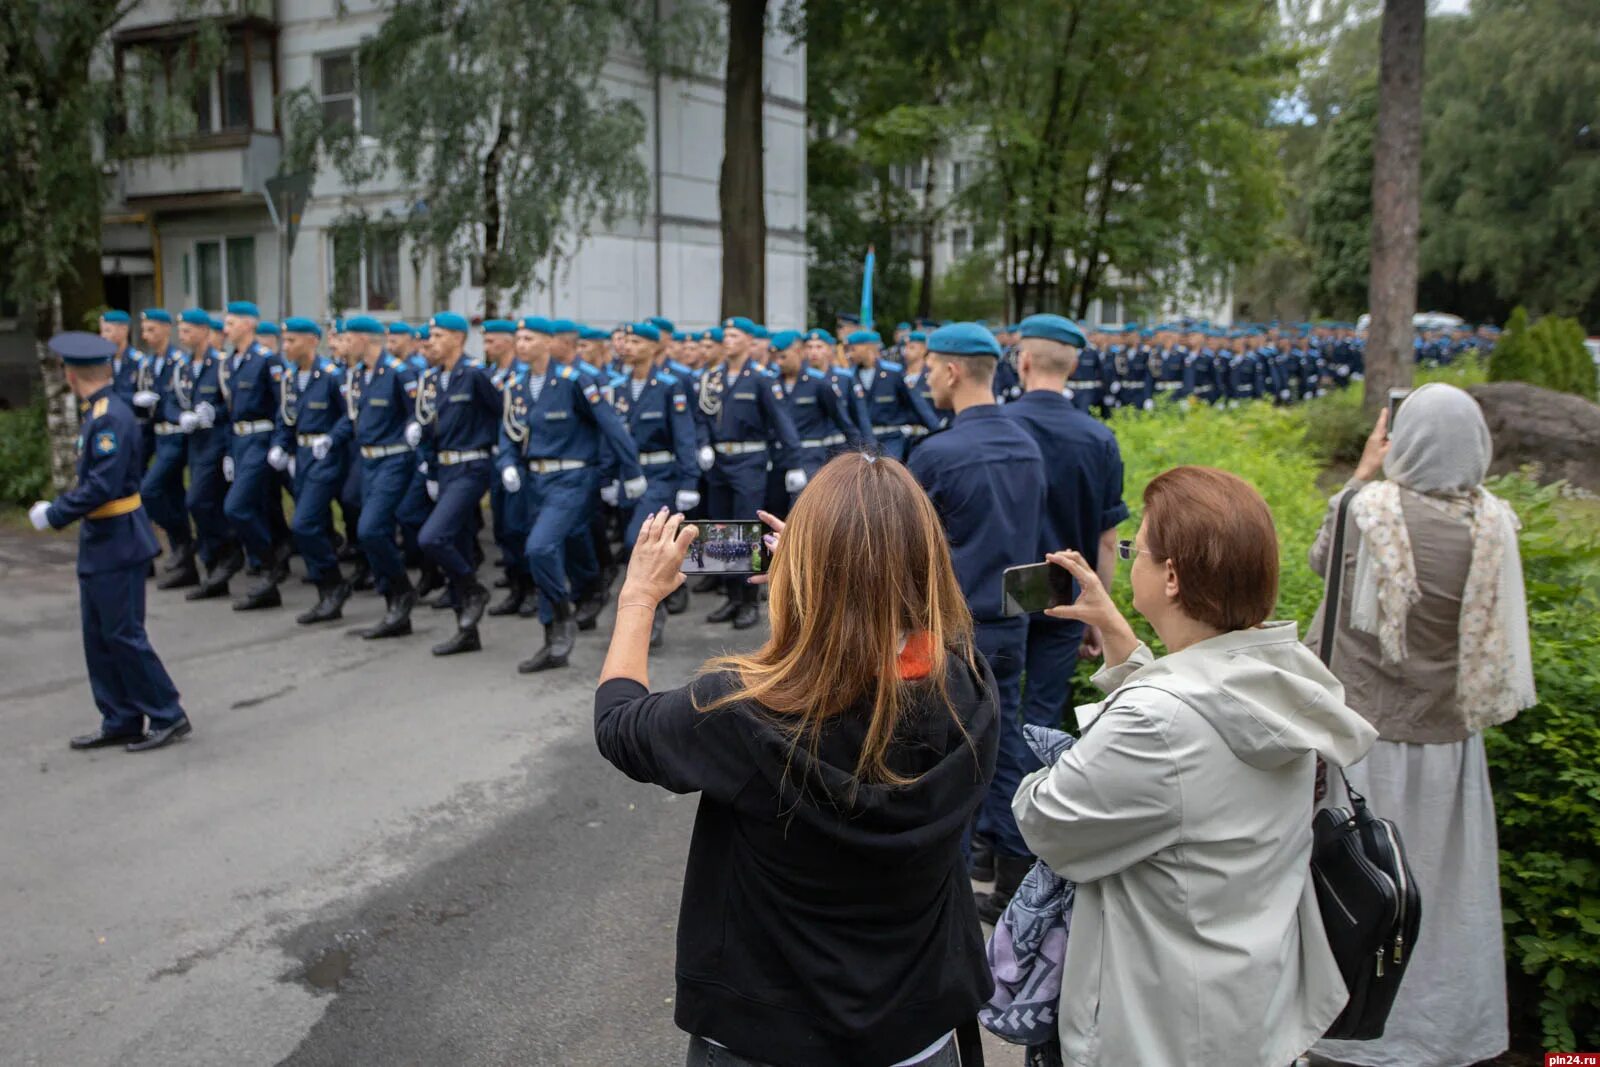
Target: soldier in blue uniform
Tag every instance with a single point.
(269, 337)
(116, 326)
(744, 412)
(1130, 372)
(417, 504)
(820, 353)
(1088, 382)
(159, 410)
(1243, 372)
(1007, 383)
(1083, 505)
(818, 407)
(1170, 363)
(653, 403)
(115, 546)
(249, 381)
(311, 404)
(986, 478)
(506, 371)
(202, 418)
(893, 407)
(560, 428)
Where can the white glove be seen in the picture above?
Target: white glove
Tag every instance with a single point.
(1149, 405)
(610, 494)
(1284, 395)
(188, 422)
(795, 480)
(510, 477)
(686, 501)
(320, 448)
(413, 434)
(634, 488)
(277, 458)
(206, 414)
(905, 431)
(144, 398)
(38, 515)
(705, 457)
(291, 466)
(227, 468)
(433, 490)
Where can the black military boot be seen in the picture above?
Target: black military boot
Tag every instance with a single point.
(335, 591)
(350, 551)
(1008, 874)
(587, 614)
(445, 601)
(396, 620)
(361, 576)
(215, 583)
(264, 594)
(430, 579)
(677, 601)
(516, 595)
(280, 561)
(559, 637)
(748, 613)
(726, 611)
(658, 626)
(231, 563)
(709, 584)
(178, 557)
(473, 599)
(464, 640)
(182, 573)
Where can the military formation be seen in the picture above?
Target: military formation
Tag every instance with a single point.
(387, 436)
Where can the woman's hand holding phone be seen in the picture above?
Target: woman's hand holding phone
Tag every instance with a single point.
(776, 525)
(655, 568)
(1095, 608)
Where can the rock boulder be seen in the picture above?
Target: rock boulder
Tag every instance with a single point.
(1557, 433)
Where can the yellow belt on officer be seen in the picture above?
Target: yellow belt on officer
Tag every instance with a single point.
(121, 506)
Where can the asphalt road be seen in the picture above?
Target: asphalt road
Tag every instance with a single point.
(363, 855)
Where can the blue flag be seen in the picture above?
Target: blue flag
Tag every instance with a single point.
(866, 291)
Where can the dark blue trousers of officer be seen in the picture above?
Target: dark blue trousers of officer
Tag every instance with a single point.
(162, 489)
(1004, 645)
(447, 536)
(384, 482)
(204, 500)
(316, 485)
(350, 495)
(255, 485)
(561, 502)
(414, 509)
(125, 674)
(735, 489)
(511, 518)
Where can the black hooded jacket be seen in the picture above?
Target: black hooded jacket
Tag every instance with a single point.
(823, 922)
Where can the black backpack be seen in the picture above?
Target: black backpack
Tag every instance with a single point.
(1370, 905)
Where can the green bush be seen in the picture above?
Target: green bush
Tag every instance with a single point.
(24, 455)
(1545, 765)
(1549, 353)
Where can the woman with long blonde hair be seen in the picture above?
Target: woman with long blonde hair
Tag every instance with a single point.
(827, 917)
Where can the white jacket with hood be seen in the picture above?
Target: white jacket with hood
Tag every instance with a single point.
(1184, 815)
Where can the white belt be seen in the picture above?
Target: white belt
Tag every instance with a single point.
(824, 442)
(890, 431)
(552, 466)
(385, 451)
(1167, 387)
(451, 458)
(919, 431)
(647, 459)
(163, 429)
(245, 429)
(739, 448)
(309, 440)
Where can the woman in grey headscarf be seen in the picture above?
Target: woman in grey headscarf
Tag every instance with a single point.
(1432, 647)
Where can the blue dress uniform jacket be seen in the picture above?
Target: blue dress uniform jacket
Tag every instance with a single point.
(304, 415)
(894, 407)
(1169, 371)
(469, 409)
(313, 411)
(200, 384)
(570, 420)
(1088, 383)
(116, 532)
(820, 413)
(249, 382)
(162, 488)
(377, 407)
(467, 422)
(378, 404)
(125, 373)
(1006, 383)
(661, 428)
(1204, 372)
(749, 410)
(855, 401)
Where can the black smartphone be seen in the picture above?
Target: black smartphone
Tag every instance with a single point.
(1396, 398)
(1036, 586)
(728, 546)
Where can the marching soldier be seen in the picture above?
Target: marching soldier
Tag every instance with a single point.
(893, 407)
(160, 410)
(501, 341)
(204, 421)
(116, 326)
(249, 381)
(115, 546)
(818, 407)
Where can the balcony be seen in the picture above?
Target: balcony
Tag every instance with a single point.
(214, 169)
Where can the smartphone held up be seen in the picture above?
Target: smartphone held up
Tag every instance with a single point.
(728, 546)
(1034, 587)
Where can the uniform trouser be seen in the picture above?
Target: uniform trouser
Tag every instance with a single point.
(892, 444)
(734, 490)
(350, 493)
(561, 502)
(383, 485)
(1004, 644)
(207, 490)
(317, 482)
(282, 482)
(446, 538)
(254, 490)
(508, 514)
(414, 509)
(162, 489)
(660, 492)
(125, 674)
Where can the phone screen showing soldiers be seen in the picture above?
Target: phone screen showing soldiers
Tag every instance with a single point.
(728, 547)
(1037, 586)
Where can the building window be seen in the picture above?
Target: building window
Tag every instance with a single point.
(344, 98)
(227, 270)
(366, 276)
(960, 241)
(958, 177)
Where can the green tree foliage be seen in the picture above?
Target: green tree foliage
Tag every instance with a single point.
(1339, 226)
(1549, 353)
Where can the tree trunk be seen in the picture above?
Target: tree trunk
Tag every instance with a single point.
(741, 186)
(1396, 201)
(60, 405)
(929, 217)
(491, 222)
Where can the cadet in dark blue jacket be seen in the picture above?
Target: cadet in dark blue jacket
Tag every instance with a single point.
(818, 407)
(115, 546)
(117, 327)
(894, 408)
(167, 449)
(204, 421)
(249, 380)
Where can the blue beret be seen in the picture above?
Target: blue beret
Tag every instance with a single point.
(819, 335)
(864, 337)
(592, 333)
(449, 320)
(499, 326)
(849, 319)
(662, 323)
(363, 324)
(916, 335)
(243, 307)
(196, 317)
(401, 328)
(157, 315)
(267, 329)
(536, 323)
(964, 339)
(216, 323)
(761, 332)
(784, 338)
(739, 322)
(648, 330)
(1052, 328)
(903, 326)
(677, 335)
(298, 324)
(80, 349)
(715, 333)
(563, 326)
(422, 332)
(338, 326)
(115, 317)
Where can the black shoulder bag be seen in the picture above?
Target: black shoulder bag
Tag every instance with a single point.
(1369, 901)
